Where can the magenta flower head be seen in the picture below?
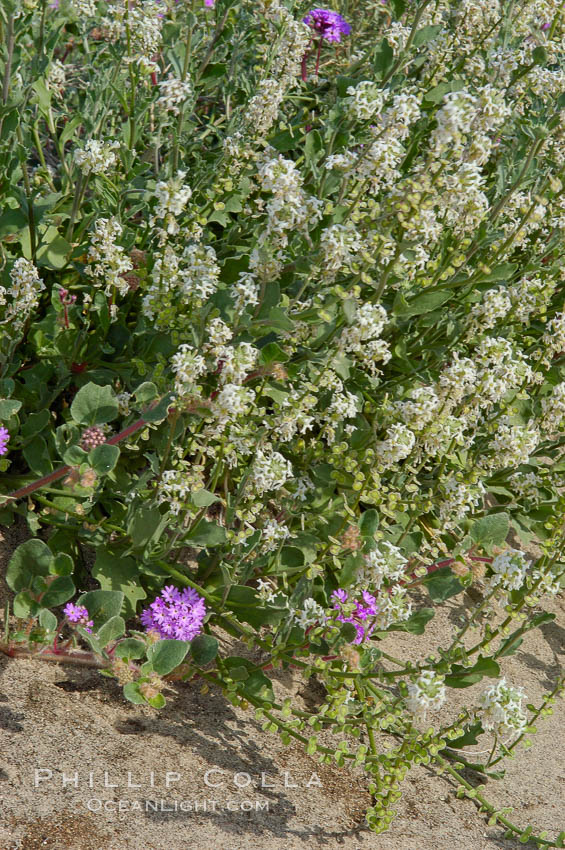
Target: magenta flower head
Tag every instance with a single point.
(4, 438)
(365, 609)
(78, 614)
(328, 24)
(175, 615)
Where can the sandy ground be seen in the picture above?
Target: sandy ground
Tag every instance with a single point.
(73, 752)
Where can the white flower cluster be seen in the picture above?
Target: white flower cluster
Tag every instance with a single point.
(273, 534)
(188, 280)
(290, 209)
(427, 693)
(419, 409)
(172, 197)
(501, 709)
(459, 498)
(174, 93)
(96, 157)
(366, 100)
(495, 305)
(289, 41)
(386, 563)
(512, 445)
(231, 402)
(176, 486)
(187, 365)
(57, 77)
(553, 410)
(270, 471)
(144, 20)
(509, 570)
(24, 294)
(394, 607)
(363, 337)
(109, 262)
(397, 446)
(310, 614)
(246, 291)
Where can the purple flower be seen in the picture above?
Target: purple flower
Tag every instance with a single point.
(4, 438)
(365, 608)
(78, 614)
(174, 614)
(328, 24)
(209, 3)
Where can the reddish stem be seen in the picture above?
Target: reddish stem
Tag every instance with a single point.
(59, 473)
(318, 55)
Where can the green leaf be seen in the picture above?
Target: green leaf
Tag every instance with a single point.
(37, 456)
(416, 623)
(207, 534)
(424, 303)
(204, 649)
(61, 565)
(12, 222)
(469, 738)
(60, 590)
(313, 146)
(509, 646)
(74, 456)
(203, 498)
(272, 353)
(111, 630)
(32, 558)
(442, 584)
(104, 458)
(35, 423)
(463, 677)
(24, 605)
(251, 609)
(348, 632)
(146, 392)
(491, 530)
(369, 522)
(130, 648)
(54, 254)
(115, 573)
(47, 620)
(8, 406)
(160, 411)
(426, 34)
(131, 693)
(94, 405)
(158, 701)
(146, 526)
(437, 94)
(256, 684)
(101, 605)
(383, 58)
(504, 271)
(166, 655)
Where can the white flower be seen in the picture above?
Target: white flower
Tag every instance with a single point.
(509, 570)
(385, 563)
(96, 157)
(310, 614)
(270, 471)
(172, 197)
(502, 711)
(174, 92)
(427, 693)
(109, 262)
